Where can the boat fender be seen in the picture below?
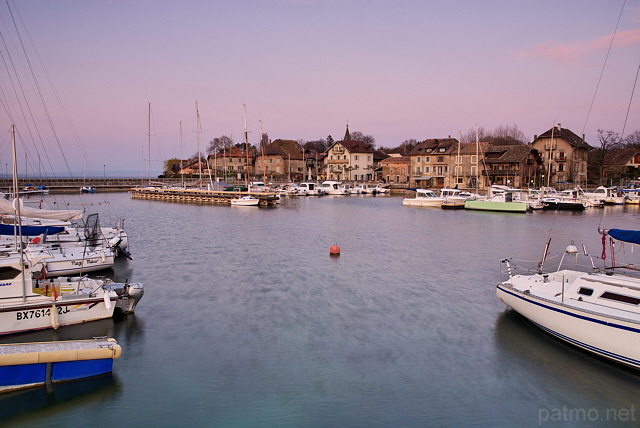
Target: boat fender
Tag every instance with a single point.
(107, 301)
(54, 317)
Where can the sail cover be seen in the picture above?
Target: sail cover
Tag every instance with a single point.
(8, 229)
(6, 208)
(632, 236)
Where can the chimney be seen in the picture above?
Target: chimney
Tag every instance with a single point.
(535, 137)
(559, 127)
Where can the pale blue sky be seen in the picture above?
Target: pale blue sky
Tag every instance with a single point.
(394, 69)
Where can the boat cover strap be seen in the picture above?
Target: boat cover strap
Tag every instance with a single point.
(632, 236)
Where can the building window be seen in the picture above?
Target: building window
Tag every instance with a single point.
(440, 158)
(419, 159)
(356, 157)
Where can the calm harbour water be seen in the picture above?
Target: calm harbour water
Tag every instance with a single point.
(248, 322)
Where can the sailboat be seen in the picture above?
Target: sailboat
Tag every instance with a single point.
(25, 306)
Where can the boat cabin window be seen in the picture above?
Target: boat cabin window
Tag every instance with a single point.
(9, 272)
(620, 298)
(585, 291)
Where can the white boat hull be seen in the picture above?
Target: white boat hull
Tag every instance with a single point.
(422, 202)
(615, 339)
(74, 264)
(42, 313)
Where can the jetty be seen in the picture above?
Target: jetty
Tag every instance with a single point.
(200, 196)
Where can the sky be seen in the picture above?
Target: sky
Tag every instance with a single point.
(79, 75)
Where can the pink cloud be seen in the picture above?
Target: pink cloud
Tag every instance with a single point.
(571, 51)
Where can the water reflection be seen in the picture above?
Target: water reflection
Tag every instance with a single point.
(568, 374)
(77, 393)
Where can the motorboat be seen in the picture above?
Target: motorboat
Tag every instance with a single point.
(24, 306)
(245, 201)
(502, 198)
(605, 196)
(88, 189)
(381, 189)
(309, 189)
(562, 204)
(424, 198)
(334, 188)
(594, 308)
(358, 189)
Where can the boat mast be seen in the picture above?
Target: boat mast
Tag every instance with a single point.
(551, 153)
(149, 147)
(16, 206)
(458, 160)
(246, 140)
(181, 158)
(198, 140)
(264, 170)
(477, 184)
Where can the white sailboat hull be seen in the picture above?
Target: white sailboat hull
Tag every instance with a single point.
(616, 339)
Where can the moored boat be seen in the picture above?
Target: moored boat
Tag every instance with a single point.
(424, 198)
(245, 201)
(29, 365)
(24, 306)
(596, 310)
(502, 199)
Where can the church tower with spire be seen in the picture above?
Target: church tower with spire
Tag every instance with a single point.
(347, 136)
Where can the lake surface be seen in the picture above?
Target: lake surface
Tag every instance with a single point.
(247, 321)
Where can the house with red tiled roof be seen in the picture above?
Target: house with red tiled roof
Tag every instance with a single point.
(232, 162)
(350, 160)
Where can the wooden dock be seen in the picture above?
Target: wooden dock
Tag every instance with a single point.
(196, 196)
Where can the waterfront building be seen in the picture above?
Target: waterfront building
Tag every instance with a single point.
(231, 162)
(467, 166)
(517, 165)
(350, 160)
(281, 160)
(565, 156)
(395, 169)
(621, 165)
(430, 162)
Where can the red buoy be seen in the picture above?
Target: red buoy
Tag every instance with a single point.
(334, 250)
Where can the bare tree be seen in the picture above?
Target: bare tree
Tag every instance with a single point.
(632, 140)
(508, 134)
(218, 143)
(317, 145)
(470, 135)
(359, 136)
(609, 140)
